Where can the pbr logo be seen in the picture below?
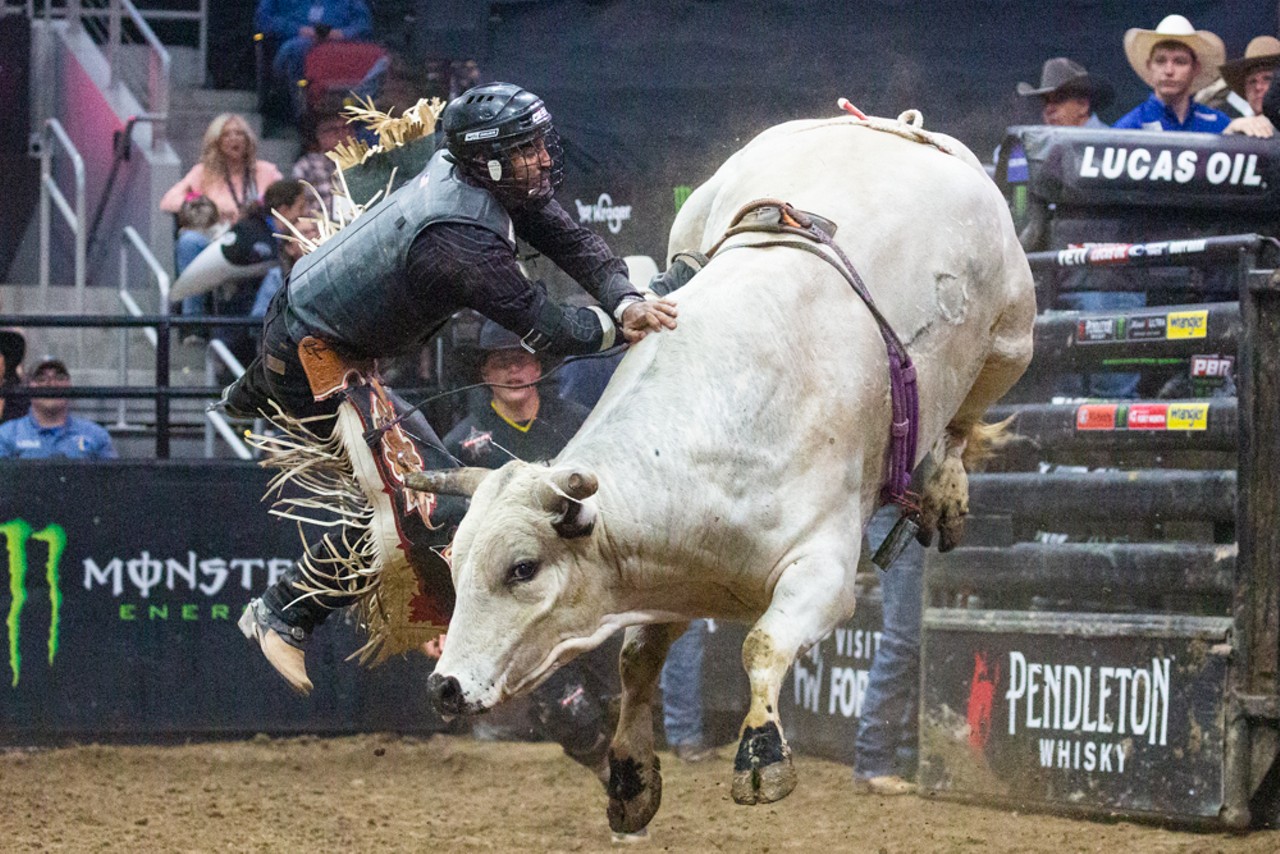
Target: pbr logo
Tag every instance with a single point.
(18, 536)
(1210, 367)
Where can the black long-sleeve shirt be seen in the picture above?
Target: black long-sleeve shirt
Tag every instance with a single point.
(453, 266)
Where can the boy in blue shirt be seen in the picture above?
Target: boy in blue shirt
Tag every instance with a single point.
(49, 429)
(1176, 61)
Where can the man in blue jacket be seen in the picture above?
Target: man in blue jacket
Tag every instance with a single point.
(49, 430)
(298, 25)
(1176, 60)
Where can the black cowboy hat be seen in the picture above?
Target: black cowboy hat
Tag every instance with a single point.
(13, 344)
(1262, 52)
(1064, 75)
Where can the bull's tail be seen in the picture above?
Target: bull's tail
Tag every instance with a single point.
(983, 440)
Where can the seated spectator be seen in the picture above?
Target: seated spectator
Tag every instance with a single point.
(294, 210)
(322, 132)
(299, 25)
(518, 421)
(13, 346)
(49, 429)
(230, 175)
(1069, 95)
(1175, 60)
(1250, 77)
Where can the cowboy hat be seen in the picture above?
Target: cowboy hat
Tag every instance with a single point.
(1262, 52)
(13, 345)
(1062, 75)
(1208, 48)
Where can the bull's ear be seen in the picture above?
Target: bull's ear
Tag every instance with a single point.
(564, 497)
(462, 481)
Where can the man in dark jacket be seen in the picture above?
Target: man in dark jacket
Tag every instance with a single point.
(384, 284)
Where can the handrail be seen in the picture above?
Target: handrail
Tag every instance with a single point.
(218, 351)
(130, 237)
(214, 421)
(73, 216)
(158, 65)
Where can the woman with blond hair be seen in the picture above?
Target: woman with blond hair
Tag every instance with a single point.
(230, 175)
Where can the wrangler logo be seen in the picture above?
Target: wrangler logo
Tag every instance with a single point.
(1188, 324)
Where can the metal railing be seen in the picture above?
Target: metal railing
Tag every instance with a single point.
(105, 21)
(215, 423)
(71, 213)
(162, 393)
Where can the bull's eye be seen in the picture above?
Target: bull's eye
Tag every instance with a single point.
(523, 571)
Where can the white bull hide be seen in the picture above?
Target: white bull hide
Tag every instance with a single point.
(738, 457)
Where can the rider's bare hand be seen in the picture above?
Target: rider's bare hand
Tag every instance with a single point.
(642, 317)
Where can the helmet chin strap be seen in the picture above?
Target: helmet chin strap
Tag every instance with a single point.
(495, 170)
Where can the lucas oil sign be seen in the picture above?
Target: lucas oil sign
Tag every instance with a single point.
(1074, 719)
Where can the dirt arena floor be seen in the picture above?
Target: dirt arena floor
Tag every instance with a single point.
(392, 794)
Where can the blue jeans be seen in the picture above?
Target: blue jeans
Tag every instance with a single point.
(188, 246)
(886, 740)
(1109, 384)
(681, 684)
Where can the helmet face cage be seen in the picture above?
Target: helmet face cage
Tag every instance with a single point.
(521, 172)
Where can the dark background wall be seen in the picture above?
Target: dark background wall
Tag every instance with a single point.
(654, 95)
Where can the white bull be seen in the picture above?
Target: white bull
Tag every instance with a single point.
(732, 463)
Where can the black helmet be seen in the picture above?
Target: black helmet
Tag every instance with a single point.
(496, 133)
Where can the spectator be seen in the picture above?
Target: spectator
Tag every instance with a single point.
(1175, 60)
(288, 251)
(1069, 95)
(518, 422)
(13, 346)
(230, 175)
(681, 683)
(49, 429)
(886, 753)
(322, 132)
(298, 25)
(572, 705)
(1250, 77)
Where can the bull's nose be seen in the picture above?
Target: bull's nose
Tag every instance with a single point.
(446, 694)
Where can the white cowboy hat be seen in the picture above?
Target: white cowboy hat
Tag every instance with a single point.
(1208, 48)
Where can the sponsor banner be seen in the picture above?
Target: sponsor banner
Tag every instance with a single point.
(822, 697)
(122, 588)
(1081, 166)
(1174, 325)
(1142, 416)
(1096, 416)
(603, 210)
(1101, 722)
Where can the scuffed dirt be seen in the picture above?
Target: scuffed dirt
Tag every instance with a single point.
(391, 794)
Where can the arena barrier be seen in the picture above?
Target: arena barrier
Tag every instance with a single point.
(1106, 640)
(124, 581)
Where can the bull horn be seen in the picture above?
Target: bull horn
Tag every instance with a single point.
(564, 495)
(462, 481)
(575, 483)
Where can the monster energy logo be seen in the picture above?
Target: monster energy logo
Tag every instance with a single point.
(17, 534)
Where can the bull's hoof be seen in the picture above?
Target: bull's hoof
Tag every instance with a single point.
(950, 532)
(762, 770)
(635, 793)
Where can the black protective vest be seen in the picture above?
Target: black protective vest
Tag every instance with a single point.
(339, 292)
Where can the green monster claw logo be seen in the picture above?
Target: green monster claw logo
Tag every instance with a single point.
(17, 533)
